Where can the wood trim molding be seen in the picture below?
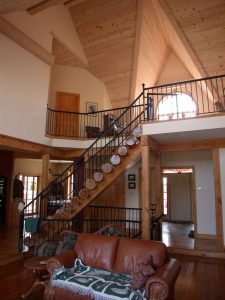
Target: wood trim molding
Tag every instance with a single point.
(192, 145)
(193, 199)
(218, 200)
(146, 140)
(158, 175)
(23, 40)
(32, 148)
(205, 236)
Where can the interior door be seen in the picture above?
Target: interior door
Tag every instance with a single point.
(180, 207)
(66, 122)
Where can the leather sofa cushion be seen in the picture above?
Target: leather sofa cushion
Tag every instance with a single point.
(131, 252)
(97, 251)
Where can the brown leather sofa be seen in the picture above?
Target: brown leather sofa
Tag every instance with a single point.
(118, 254)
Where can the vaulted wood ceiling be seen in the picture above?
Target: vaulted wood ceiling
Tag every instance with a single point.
(127, 42)
(107, 34)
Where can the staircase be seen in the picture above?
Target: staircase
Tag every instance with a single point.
(91, 173)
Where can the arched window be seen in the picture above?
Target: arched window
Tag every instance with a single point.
(176, 106)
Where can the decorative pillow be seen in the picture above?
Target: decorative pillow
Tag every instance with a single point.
(46, 249)
(140, 275)
(68, 243)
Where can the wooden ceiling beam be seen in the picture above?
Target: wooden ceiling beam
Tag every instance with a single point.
(178, 41)
(43, 5)
(23, 40)
(193, 145)
(146, 140)
(10, 6)
(71, 3)
(23, 147)
(65, 56)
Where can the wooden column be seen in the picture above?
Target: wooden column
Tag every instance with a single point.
(159, 199)
(218, 201)
(44, 179)
(145, 188)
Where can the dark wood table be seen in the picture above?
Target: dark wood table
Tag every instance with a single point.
(38, 265)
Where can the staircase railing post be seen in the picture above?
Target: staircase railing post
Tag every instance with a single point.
(21, 226)
(144, 103)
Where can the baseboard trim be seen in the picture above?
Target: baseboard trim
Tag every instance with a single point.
(205, 236)
(198, 253)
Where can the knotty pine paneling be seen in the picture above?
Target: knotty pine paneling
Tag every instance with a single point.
(202, 22)
(107, 33)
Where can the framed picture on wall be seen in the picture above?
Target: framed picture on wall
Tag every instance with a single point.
(131, 185)
(91, 107)
(131, 177)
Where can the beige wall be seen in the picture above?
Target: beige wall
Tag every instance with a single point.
(24, 81)
(55, 19)
(79, 81)
(204, 179)
(174, 71)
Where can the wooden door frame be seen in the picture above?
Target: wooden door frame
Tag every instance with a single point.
(192, 192)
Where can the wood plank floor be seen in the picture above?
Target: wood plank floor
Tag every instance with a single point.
(9, 246)
(199, 279)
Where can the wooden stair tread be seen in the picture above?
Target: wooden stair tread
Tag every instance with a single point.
(128, 160)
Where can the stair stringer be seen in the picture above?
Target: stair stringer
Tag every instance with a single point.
(133, 155)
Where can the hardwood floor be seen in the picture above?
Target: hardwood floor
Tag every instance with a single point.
(17, 280)
(199, 279)
(8, 246)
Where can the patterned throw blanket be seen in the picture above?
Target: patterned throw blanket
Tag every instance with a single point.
(96, 283)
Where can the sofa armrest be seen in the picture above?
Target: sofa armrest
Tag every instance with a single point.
(65, 259)
(161, 284)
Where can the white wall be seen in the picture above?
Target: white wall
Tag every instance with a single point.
(24, 83)
(174, 71)
(39, 26)
(80, 81)
(205, 194)
(132, 195)
(222, 174)
(25, 80)
(28, 167)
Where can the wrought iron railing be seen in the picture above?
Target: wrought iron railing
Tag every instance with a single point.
(122, 221)
(202, 96)
(127, 219)
(74, 178)
(208, 94)
(81, 125)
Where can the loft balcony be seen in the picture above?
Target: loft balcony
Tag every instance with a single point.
(182, 111)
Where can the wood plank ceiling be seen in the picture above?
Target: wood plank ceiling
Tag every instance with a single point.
(203, 24)
(107, 33)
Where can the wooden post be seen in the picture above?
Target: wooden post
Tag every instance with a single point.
(218, 201)
(44, 180)
(145, 188)
(159, 199)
